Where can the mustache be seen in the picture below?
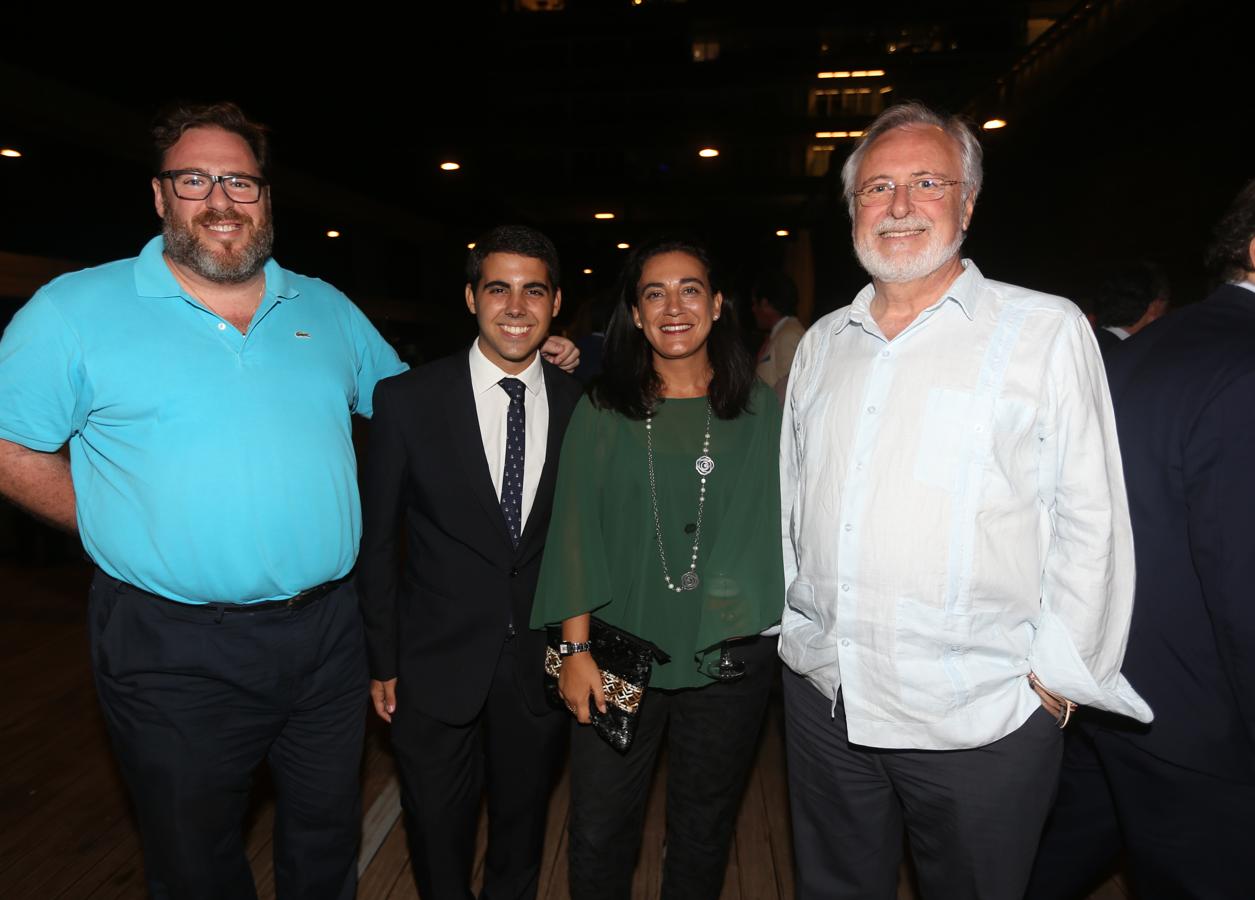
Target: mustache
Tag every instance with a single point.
(218, 217)
(906, 223)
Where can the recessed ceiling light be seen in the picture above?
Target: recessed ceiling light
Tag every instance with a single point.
(470, 246)
(994, 124)
(782, 232)
(588, 271)
(333, 233)
(10, 153)
(603, 215)
(622, 245)
(450, 166)
(708, 153)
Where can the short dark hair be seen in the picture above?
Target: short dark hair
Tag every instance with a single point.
(1128, 287)
(513, 239)
(629, 385)
(174, 120)
(1229, 256)
(778, 290)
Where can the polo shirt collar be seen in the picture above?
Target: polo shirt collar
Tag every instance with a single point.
(964, 291)
(485, 375)
(153, 277)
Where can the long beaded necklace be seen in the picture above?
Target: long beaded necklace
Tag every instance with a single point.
(704, 465)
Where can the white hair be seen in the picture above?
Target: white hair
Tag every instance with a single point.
(904, 115)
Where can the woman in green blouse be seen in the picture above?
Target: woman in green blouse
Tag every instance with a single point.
(666, 525)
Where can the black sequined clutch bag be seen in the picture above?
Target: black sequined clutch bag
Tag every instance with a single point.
(625, 662)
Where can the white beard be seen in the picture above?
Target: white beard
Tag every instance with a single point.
(901, 268)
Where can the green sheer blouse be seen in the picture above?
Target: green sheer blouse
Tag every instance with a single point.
(602, 556)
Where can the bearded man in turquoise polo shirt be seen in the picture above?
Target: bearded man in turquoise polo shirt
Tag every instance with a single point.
(206, 395)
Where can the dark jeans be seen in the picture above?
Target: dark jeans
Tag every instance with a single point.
(195, 700)
(1186, 833)
(443, 770)
(973, 816)
(712, 734)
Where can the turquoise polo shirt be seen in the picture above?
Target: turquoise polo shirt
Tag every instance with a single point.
(208, 466)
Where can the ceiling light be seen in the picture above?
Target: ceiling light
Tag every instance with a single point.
(622, 245)
(782, 232)
(858, 73)
(10, 153)
(470, 246)
(450, 166)
(588, 271)
(333, 233)
(994, 124)
(707, 152)
(603, 215)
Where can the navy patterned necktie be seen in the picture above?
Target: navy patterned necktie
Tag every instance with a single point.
(512, 476)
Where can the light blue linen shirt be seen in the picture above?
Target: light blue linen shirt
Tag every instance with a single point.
(954, 516)
(208, 465)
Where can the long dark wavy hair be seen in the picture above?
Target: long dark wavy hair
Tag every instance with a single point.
(629, 385)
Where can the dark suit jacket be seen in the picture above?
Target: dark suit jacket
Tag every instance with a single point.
(1106, 340)
(1184, 396)
(441, 627)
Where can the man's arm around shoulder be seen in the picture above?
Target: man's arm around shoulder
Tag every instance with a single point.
(38, 482)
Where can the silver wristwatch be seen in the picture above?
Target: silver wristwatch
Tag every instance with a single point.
(566, 648)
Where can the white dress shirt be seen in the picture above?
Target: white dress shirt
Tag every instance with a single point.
(954, 516)
(491, 405)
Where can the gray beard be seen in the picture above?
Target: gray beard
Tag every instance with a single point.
(906, 268)
(234, 265)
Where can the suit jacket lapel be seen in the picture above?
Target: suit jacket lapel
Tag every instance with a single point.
(469, 448)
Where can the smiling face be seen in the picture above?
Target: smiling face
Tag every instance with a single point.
(674, 305)
(909, 239)
(513, 304)
(217, 238)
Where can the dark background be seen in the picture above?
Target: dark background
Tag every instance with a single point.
(1126, 136)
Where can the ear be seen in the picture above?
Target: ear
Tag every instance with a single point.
(636, 317)
(159, 199)
(718, 303)
(557, 301)
(1250, 255)
(968, 206)
(470, 298)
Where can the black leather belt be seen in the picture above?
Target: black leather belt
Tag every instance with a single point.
(293, 603)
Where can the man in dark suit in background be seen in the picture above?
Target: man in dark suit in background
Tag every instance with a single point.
(464, 451)
(1132, 294)
(1179, 794)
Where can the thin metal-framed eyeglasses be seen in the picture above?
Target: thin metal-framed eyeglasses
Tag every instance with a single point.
(880, 193)
(193, 184)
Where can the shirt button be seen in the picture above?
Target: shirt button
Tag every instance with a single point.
(222, 326)
(845, 587)
(871, 409)
(845, 642)
(884, 354)
(849, 527)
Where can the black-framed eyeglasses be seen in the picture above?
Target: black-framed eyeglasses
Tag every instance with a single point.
(192, 184)
(881, 193)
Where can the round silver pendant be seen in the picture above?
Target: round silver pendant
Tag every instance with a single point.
(689, 581)
(705, 465)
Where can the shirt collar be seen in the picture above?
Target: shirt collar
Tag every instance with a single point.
(153, 277)
(485, 374)
(1245, 285)
(965, 291)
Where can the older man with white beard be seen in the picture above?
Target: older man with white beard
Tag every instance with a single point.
(956, 538)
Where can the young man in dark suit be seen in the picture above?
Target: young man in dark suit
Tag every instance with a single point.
(464, 451)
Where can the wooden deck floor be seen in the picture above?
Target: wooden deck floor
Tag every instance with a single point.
(67, 833)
